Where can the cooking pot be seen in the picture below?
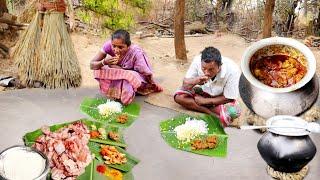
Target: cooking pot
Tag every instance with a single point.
(286, 149)
(278, 46)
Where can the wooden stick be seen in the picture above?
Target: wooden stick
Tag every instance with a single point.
(142, 36)
(72, 22)
(157, 24)
(5, 48)
(188, 35)
(5, 54)
(11, 23)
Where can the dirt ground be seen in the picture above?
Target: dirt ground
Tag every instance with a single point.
(161, 53)
(168, 71)
(159, 50)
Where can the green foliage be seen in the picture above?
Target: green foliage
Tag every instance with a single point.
(84, 16)
(143, 5)
(121, 20)
(118, 14)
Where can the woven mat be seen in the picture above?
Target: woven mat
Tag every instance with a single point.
(288, 176)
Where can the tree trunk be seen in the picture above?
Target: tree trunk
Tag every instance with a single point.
(291, 17)
(267, 24)
(179, 43)
(3, 7)
(316, 24)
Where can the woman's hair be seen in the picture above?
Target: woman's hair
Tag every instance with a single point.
(122, 34)
(210, 54)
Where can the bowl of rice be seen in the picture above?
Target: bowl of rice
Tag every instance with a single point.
(23, 163)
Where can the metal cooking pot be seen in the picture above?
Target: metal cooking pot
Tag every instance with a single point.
(267, 101)
(267, 104)
(291, 45)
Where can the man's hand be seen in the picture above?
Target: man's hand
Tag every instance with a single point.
(189, 83)
(202, 80)
(201, 100)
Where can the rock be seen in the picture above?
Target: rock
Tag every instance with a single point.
(37, 84)
(4, 26)
(9, 17)
(195, 27)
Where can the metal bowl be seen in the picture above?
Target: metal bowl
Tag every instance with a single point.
(289, 43)
(267, 104)
(45, 172)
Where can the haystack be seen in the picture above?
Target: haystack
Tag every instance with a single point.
(58, 60)
(45, 52)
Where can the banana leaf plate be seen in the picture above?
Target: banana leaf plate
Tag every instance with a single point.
(126, 167)
(91, 173)
(108, 129)
(30, 137)
(94, 146)
(89, 107)
(214, 128)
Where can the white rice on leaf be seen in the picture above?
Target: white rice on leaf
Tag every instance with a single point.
(191, 129)
(109, 108)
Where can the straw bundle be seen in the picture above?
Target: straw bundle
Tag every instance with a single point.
(288, 176)
(26, 52)
(46, 53)
(312, 114)
(59, 63)
(28, 13)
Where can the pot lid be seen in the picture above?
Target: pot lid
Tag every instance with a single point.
(287, 122)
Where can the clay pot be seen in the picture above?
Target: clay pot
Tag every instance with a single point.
(286, 153)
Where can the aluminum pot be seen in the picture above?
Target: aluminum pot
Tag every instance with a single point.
(286, 42)
(267, 104)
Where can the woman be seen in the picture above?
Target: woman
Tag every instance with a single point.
(122, 69)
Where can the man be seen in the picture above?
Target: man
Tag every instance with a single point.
(211, 86)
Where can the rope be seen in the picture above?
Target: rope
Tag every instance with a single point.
(288, 176)
(48, 6)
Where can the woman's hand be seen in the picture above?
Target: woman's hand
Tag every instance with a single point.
(112, 60)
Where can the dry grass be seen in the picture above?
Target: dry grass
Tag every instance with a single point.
(26, 52)
(59, 65)
(28, 13)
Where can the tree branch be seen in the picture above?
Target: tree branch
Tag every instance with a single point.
(11, 23)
